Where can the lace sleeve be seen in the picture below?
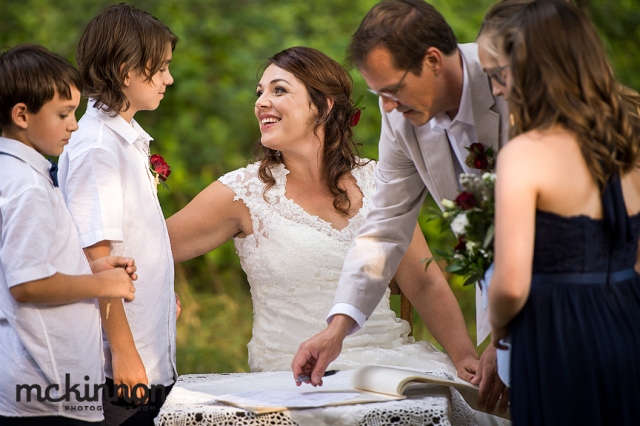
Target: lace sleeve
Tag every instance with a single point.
(366, 182)
(244, 183)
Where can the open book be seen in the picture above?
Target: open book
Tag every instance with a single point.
(395, 381)
(368, 383)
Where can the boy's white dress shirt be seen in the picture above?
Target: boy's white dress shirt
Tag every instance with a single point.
(105, 179)
(41, 344)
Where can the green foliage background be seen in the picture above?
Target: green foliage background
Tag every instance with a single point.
(205, 126)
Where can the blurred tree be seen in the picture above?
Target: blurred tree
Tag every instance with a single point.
(206, 127)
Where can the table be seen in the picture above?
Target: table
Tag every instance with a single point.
(193, 402)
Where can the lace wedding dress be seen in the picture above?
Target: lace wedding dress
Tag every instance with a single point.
(293, 262)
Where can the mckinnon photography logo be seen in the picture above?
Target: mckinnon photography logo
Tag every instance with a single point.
(70, 392)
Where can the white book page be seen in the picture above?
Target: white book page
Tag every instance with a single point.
(393, 381)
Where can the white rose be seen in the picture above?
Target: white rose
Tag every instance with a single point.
(471, 246)
(448, 204)
(459, 224)
(489, 177)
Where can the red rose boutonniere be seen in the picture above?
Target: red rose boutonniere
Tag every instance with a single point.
(480, 158)
(160, 170)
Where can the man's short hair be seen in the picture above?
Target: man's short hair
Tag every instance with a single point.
(118, 40)
(407, 28)
(31, 74)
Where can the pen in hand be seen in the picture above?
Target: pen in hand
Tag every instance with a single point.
(304, 378)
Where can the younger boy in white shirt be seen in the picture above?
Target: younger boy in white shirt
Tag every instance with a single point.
(110, 190)
(49, 322)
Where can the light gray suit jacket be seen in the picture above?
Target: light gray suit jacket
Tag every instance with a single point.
(413, 161)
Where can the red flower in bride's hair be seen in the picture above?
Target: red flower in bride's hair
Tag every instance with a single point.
(355, 117)
(356, 112)
(466, 200)
(159, 166)
(462, 244)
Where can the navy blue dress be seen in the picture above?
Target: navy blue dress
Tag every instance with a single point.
(576, 342)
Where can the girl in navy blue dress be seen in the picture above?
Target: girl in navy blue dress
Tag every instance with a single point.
(566, 289)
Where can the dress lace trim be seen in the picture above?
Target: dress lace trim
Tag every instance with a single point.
(249, 188)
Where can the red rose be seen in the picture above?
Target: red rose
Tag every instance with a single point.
(481, 162)
(462, 244)
(160, 166)
(476, 148)
(466, 200)
(355, 117)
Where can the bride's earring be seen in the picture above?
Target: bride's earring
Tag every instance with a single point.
(278, 154)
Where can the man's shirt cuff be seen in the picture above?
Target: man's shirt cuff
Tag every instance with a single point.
(350, 311)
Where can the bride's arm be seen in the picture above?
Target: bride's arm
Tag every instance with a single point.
(432, 297)
(207, 222)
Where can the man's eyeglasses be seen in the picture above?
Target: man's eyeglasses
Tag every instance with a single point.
(391, 94)
(498, 75)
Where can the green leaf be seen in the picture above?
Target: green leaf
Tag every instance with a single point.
(472, 279)
(489, 237)
(455, 267)
(164, 185)
(427, 262)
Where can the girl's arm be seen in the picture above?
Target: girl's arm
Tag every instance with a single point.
(516, 200)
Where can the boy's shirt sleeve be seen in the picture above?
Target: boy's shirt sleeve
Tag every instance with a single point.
(27, 236)
(94, 195)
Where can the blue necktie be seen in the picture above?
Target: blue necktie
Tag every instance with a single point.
(53, 171)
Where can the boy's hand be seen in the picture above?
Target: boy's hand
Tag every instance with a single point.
(178, 307)
(110, 262)
(129, 371)
(116, 284)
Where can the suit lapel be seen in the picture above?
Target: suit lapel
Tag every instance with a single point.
(486, 120)
(435, 150)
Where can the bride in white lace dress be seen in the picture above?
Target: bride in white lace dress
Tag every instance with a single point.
(293, 260)
(292, 216)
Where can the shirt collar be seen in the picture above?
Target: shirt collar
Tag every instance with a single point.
(129, 132)
(27, 154)
(465, 114)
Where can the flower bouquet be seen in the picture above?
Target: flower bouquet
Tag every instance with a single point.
(471, 217)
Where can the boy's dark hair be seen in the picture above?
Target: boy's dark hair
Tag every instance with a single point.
(32, 74)
(407, 28)
(120, 39)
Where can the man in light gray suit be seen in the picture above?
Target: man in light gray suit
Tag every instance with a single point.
(435, 100)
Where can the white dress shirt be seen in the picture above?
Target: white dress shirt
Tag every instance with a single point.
(105, 178)
(460, 131)
(41, 344)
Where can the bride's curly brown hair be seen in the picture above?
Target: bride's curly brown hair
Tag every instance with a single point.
(561, 76)
(324, 79)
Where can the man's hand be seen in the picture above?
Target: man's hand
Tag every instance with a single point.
(110, 262)
(491, 387)
(467, 368)
(315, 354)
(128, 370)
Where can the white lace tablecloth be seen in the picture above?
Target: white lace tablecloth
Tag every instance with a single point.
(193, 402)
